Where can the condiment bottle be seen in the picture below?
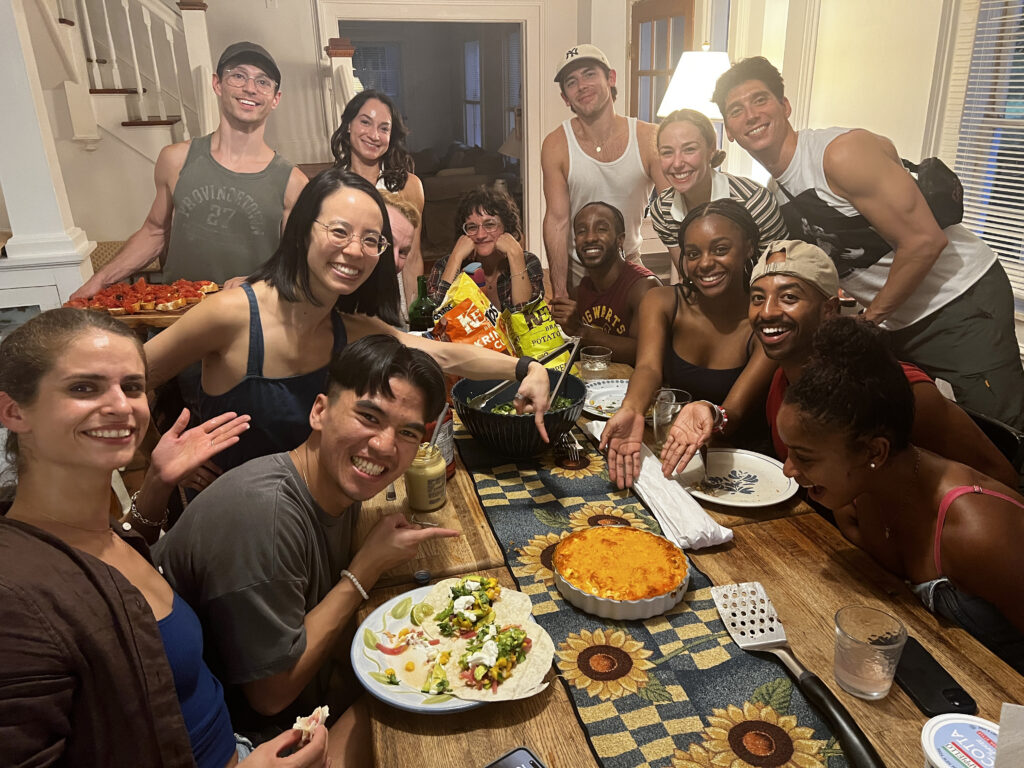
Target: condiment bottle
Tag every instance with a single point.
(425, 479)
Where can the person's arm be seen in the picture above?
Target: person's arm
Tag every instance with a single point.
(150, 241)
(694, 424)
(207, 328)
(413, 191)
(179, 453)
(942, 427)
(647, 136)
(391, 542)
(518, 274)
(438, 287)
(469, 361)
(623, 434)
(554, 165)
(866, 170)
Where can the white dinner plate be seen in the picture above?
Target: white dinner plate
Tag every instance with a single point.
(369, 663)
(739, 478)
(604, 397)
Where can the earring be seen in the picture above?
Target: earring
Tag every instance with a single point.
(622, 253)
(872, 465)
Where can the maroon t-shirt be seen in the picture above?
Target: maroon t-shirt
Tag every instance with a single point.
(778, 391)
(609, 310)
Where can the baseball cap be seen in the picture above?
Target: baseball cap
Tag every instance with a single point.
(578, 53)
(249, 53)
(803, 260)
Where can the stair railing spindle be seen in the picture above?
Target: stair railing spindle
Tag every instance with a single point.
(177, 82)
(135, 60)
(161, 106)
(94, 67)
(115, 71)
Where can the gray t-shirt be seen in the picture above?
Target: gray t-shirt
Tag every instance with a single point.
(252, 555)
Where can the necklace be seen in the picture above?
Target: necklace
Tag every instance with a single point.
(82, 528)
(917, 465)
(305, 460)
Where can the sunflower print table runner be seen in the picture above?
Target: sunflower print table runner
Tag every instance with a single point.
(673, 690)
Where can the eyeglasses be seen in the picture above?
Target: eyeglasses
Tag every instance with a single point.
(490, 226)
(372, 243)
(238, 79)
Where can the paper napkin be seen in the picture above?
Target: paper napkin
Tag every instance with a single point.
(682, 519)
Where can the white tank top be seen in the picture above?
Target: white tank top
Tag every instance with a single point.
(959, 266)
(622, 182)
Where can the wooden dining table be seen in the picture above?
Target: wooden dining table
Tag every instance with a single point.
(808, 569)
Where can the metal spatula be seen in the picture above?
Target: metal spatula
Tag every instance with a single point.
(750, 617)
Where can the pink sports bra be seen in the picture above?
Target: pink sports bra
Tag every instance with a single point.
(949, 498)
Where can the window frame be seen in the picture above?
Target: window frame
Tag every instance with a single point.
(653, 11)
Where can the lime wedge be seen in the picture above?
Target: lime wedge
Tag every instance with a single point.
(420, 611)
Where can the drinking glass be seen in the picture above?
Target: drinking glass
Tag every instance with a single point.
(594, 362)
(868, 647)
(667, 405)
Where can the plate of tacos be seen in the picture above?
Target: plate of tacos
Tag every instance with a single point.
(452, 646)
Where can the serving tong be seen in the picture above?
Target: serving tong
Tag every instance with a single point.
(481, 400)
(751, 620)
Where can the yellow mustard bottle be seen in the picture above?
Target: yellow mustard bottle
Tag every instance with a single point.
(425, 479)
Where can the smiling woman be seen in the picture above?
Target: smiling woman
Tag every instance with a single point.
(695, 336)
(265, 347)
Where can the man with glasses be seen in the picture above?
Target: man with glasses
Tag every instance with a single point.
(221, 199)
(597, 155)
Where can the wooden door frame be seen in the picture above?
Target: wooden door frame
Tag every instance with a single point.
(652, 10)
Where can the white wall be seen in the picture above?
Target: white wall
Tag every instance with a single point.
(873, 68)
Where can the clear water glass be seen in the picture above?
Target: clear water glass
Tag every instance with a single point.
(869, 643)
(667, 405)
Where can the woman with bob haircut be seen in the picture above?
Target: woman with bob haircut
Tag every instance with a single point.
(266, 345)
(695, 336)
(488, 230)
(371, 142)
(950, 531)
(100, 661)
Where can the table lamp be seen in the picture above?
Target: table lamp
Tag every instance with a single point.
(693, 82)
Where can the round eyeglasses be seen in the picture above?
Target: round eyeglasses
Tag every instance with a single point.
(372, 243)
(490, 226)
(236, 78)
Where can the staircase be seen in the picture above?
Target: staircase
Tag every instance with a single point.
(143, 72)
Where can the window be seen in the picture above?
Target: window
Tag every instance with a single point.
(513, 81)
(473, 117)
(379, 66)
(662, 30)
(983, 127)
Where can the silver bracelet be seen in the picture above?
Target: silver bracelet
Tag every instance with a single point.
(133, 512)
(355, 582)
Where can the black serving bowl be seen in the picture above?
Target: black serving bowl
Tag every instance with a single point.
(515, 435)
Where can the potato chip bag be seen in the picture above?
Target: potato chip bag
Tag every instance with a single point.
(464, 288)
(465, 324)
(532, 331)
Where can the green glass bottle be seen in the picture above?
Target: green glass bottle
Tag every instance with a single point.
(421, 313)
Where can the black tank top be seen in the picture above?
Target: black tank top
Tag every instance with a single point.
(279, 407)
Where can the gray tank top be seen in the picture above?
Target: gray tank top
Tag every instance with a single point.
(225, 224)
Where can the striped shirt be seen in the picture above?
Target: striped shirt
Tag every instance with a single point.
(669, 209)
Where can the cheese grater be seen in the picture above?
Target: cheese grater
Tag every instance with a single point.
(751, 620)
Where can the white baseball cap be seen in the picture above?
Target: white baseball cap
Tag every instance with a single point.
(578, 53)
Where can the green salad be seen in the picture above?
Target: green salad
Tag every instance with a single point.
(508, 409)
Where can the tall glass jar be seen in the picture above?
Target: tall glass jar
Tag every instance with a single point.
(425, 479)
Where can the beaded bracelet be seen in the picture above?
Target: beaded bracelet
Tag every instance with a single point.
(133, 512)
(355, 582)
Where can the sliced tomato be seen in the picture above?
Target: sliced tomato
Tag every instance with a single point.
(398, 650)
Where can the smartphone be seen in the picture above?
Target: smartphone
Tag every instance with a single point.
(517, 758)
(931, 687)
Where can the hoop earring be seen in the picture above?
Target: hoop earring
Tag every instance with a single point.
(622, 253)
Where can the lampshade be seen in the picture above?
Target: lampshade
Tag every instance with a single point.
(693, 82)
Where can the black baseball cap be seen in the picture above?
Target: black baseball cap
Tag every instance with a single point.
(249, 53)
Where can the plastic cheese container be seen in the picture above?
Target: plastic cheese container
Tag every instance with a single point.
(959, 741)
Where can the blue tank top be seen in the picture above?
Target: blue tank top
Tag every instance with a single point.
(279, 407)
(199, 693)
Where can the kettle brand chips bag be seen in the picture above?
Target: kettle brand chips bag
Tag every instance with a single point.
(464, 288)
(532, 331)
(466, 324)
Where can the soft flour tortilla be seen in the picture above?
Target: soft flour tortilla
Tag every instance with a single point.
(526, 678)
(511, 607)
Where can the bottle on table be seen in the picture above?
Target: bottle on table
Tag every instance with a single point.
(425, 479)
(421, 313)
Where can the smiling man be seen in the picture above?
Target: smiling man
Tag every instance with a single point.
(794, 288)
(264, 555)
(596, 155)
(221, 199)
(941, 293)
(608, 297)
